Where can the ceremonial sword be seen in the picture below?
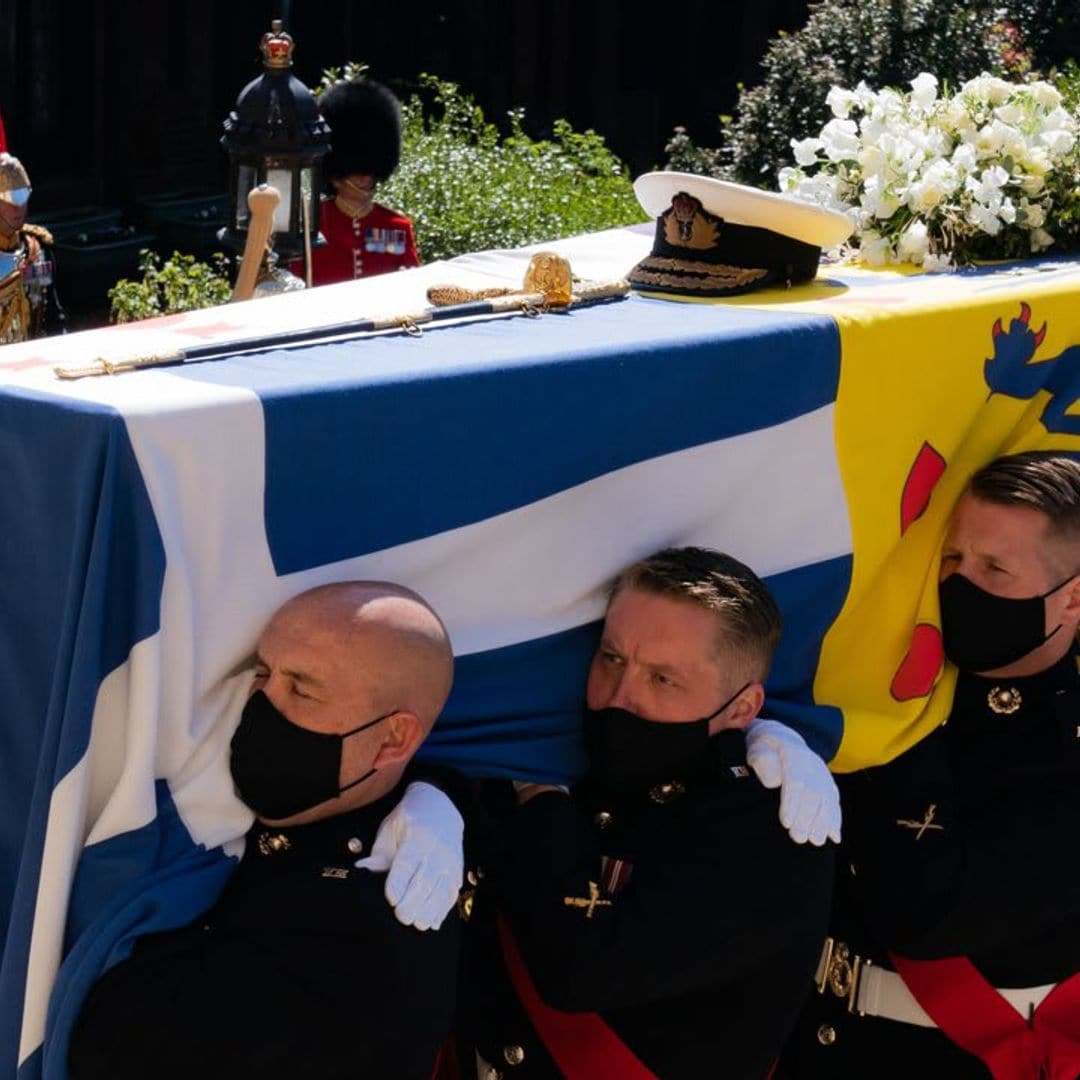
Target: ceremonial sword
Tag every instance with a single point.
(529, 304)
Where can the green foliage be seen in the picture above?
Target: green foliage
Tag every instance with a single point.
(181, 284)
(885, 43)
(466, 188)
(354, 69)
(1064, 183)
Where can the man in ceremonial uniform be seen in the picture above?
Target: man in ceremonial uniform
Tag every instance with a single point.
(27, 296)
(363, 237)
(658, 921)
(300, 969)
(956, 940)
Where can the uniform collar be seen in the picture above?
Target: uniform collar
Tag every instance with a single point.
(1012, 699)
(352, 833)
(725, 761)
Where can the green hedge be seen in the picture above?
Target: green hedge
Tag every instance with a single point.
(467, 188)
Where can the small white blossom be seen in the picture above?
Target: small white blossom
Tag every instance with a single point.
(964, 158)
(879, 199)
(1058, 141)
(875, 249)
(914, 243)
(934, 264)
(840, 140)
(841, 102)
(924, 90)
(988, 185)
(1046, 95)
(985, 218)
(806, 150)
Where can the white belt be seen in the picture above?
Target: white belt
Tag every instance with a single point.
(873, 991)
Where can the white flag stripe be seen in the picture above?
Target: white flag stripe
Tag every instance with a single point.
(63, 843)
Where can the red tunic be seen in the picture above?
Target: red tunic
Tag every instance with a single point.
(377, 243)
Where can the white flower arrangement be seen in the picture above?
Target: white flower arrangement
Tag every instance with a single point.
(940, 180)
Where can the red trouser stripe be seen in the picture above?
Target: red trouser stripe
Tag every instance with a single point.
(582, 1045)
(977, 1018)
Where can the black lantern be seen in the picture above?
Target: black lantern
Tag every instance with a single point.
(275, 135)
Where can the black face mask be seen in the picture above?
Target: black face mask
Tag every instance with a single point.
(280, 769)
(629, 753)
(983, 632)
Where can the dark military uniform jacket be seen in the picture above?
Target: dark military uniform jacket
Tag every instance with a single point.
(965, 845)
(704, 932)
(299, 970)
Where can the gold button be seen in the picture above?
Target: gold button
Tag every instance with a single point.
(826, 1035)
(602, 820)
(465, 904)
(273, 844)
(663, 793)
(355, 845)
(513, 1055)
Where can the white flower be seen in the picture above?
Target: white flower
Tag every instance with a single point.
(984, 218)
(924, 90)
(873, 159)
(806, 150)
(841, 101)
(840, 140)
(938, 181)
(1009, 139)
(1060, 118)
(788, 178)
(988, 89)
(1012, 112)
(914, 244)
(964, 158)
(1040, 240)
(879, 199)
(863, 94)
(875, 249)
(1033, 214)
(957, 117)
(988, 186)
(968, 164)
(1058, 141)
(934, 264)
(1046, 95)
(1035, 160)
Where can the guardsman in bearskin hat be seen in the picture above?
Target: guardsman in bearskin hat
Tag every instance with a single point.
(956, 932)
(26, 267)
(363, 237)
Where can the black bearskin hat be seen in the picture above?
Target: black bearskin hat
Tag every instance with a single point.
(365, 129)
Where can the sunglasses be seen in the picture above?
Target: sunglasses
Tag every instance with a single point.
(19, 196)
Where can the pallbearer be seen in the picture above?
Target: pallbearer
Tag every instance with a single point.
(657, 921)
(956, 939)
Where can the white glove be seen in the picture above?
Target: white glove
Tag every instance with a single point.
(809, 799)
(419, 842)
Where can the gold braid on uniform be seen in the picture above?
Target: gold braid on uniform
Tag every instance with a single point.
(14, 309)
(37, 234)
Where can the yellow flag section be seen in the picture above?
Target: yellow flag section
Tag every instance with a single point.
(939, 374)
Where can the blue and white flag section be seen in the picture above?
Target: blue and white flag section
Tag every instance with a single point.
(152, 522)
